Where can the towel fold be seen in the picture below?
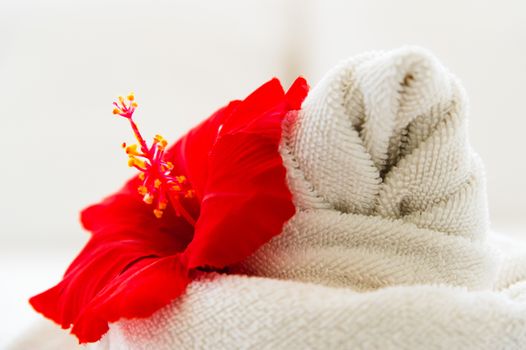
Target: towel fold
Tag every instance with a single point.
(389, 247)
(388, 190)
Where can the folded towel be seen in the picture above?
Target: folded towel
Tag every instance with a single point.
(388, 248)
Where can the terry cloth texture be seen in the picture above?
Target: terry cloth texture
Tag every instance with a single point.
(389, 248)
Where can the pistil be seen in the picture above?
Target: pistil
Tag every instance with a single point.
(159, 187)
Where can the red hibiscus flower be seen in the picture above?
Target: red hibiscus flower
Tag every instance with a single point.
(218, 194)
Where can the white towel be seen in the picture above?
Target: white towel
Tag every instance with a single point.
(389, 246)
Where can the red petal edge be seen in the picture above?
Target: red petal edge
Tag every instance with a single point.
(232, 160)
(246, 198)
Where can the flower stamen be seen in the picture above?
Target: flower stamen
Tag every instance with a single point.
(158, 184)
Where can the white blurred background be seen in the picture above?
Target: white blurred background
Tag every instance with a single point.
(62, 63)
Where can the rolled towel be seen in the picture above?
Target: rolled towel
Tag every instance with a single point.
(388, 248)
(388, 189)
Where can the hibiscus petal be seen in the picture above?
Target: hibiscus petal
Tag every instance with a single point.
(139, 291)
(267, 97)
(126, 235)
(129, 268)
(246, 200)
(266, 119)
(297, 93)
(190, 153)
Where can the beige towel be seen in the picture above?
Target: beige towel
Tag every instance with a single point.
(389, 246)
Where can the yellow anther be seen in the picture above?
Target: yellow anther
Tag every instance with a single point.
(116, 111)
(132, 150)
(132, 161)
(158, 213)
(135, 105)
(131, 96)
(142, 190)
(180, 178)
(157, 183)
(161, 140)
(176, 188)
(162, 205)
(189, 194)
(141, 176)
(148, 198)
(121, 99)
